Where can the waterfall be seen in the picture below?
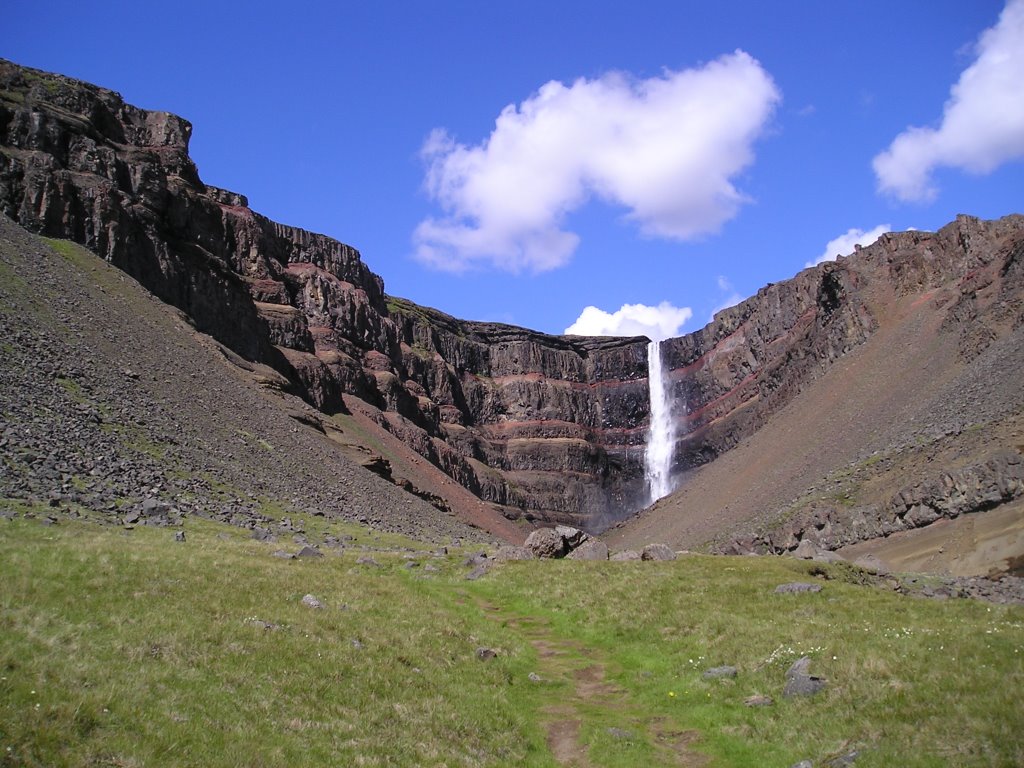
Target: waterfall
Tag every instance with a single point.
(661, 434)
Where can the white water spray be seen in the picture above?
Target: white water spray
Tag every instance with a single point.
(661, 434)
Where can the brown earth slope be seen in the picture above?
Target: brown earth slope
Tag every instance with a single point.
(922, 422)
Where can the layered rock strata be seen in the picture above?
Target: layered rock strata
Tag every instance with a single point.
(545, 427)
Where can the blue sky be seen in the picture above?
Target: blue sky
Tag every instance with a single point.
(521, 162)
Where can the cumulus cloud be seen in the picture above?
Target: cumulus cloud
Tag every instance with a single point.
(982, 122)
(656, 323)
(844, 244)
(666, 149)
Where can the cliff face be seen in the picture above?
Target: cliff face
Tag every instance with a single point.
(545, 427)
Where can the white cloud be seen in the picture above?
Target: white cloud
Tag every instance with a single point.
(666, 148)
(982, 122)
(844, 244)
(656, 323)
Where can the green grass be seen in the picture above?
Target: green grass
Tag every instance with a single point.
(130, 649)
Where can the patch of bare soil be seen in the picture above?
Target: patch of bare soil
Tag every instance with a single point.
(979, 544)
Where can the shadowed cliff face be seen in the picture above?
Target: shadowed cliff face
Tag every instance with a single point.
(546, 427)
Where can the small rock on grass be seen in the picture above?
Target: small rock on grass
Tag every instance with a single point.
(312, 602)
(267, 625)
(533, 677)
(283, 554)
(308, 551)
(475, 559)
(759, 700)
(477, 572)
(368, 561)
(621, 734)
(795, 587)
(179, 536)
(799, 681)
(717, 672)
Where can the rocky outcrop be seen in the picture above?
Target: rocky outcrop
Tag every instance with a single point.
(974, 488)
(547, 428)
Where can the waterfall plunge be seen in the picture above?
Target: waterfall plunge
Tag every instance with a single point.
(661, 434)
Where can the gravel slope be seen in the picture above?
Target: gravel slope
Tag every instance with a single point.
(109, 398)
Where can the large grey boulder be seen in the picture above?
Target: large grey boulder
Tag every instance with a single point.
(806, 550)
(546, 542)
(592, 549)
(626, 555)
(658, 552)
(573, 537)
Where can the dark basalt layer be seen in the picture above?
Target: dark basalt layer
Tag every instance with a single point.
(548, 427)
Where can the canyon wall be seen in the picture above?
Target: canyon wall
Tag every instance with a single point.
(547, 428)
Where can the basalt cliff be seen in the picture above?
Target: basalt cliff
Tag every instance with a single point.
(537, 427)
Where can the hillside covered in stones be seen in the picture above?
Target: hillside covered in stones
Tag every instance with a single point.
(495, 423)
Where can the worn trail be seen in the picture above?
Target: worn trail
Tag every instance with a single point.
(592, 699)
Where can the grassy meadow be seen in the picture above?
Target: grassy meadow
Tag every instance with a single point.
(127, 648)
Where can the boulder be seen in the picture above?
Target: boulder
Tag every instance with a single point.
(477, 572)
(828, 556)
(626, 555)
(799, 681)
(546, 542)
(658, 552)
(311, 602)
(476, 558)
(806, 550)
(592, 549)
(573, 537)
